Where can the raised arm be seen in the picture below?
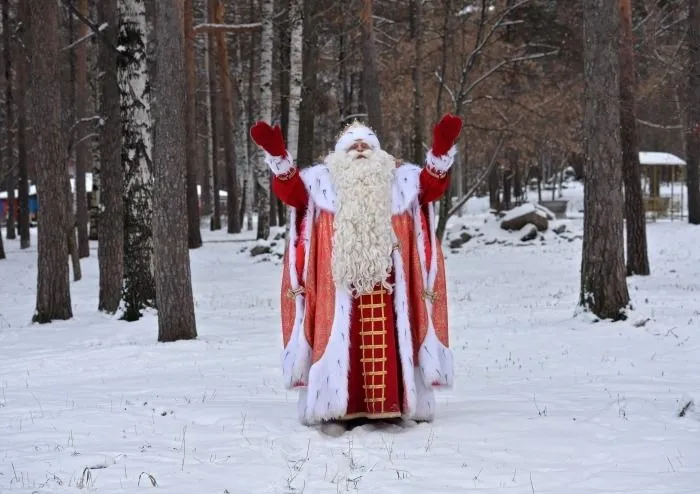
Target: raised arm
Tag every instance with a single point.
(434, 178)
(286, 182)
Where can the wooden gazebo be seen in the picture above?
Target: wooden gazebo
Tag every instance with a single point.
(659, 168)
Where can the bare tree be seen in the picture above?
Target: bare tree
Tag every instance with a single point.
(418, 153)
(262, 173)
(693, 113)
(603, 283)
(82, 147)
(9, 119)
(110, 248)
(22, 162)
(370, 78)
(637, 258)
(134, 89)
(176, 318)
(53, 299)
(194, 233)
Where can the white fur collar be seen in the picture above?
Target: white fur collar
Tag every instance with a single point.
(404, 189)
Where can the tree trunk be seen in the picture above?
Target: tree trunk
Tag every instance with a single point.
(603, 283)
(134, 90)
(637, 258)
(9, 122)
(370, 79)
(110, 248)
(176, 319)
(22, 162)
(296, 42)
(194, 233)
(307, 108)
(82, 148)
(262, 172)
(214, 108)
(207, 198)
(418, 113)
(53, 300)
(693, 114)
(228, 126)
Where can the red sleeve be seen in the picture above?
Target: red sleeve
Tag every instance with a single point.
(432, 187)
(292, 190)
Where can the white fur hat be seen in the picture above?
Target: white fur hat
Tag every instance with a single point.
(357, 131)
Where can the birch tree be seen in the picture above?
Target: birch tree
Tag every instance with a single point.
(262, 174)
(603, 283)
(53, 299)
(296, 41)
(134, 90)
(176, 319)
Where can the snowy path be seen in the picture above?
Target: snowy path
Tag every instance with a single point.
(544, 403)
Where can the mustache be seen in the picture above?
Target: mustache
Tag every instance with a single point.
(355, 154)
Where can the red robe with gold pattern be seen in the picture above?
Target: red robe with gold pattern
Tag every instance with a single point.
(379, 355)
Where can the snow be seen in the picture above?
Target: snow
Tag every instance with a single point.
(545, 402)
(659, 158)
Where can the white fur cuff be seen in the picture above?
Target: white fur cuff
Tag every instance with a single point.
(441, 163)
(280, 165)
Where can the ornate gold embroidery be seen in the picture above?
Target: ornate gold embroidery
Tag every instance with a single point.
(428, 295)
(292, 293)
(374, 346)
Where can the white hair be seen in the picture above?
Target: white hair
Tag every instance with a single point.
(362, 237)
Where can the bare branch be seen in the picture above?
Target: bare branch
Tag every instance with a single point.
(227, 28)
(658, 126)
(462, 200)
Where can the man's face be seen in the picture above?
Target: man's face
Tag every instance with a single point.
(359, 149)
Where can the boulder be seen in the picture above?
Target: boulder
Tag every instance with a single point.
(463, 238)
(518, 217)
(260, 249)
(559, 229)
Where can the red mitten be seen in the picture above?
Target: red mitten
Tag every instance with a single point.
(445, 132)
(268, 138)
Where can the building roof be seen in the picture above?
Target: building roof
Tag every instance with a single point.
(655, 158)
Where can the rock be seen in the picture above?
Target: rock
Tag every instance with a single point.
(260, 250)
(559, 229)
(518, 217)
(463, 238)
(528, 232)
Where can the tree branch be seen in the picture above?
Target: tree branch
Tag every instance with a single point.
(227, 28)
(462, 200)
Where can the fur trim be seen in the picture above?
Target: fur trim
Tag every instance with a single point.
(327, 393)
(425, 401)
(296, 356)
(441, 163)
(434, 359)
(355, 132)
(405, 338)
(280, 165)
(404, 189)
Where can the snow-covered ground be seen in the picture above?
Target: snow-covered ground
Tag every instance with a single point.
(545, 402)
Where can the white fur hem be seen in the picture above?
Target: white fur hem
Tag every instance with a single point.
(434, 359)
(327, 392)
(425, 401)
(296, 356)
(279, 165)
(441, 163)
(405, 339)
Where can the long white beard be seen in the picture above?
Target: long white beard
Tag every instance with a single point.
(363, 233)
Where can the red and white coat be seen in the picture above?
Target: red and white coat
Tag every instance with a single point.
(316, 313)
